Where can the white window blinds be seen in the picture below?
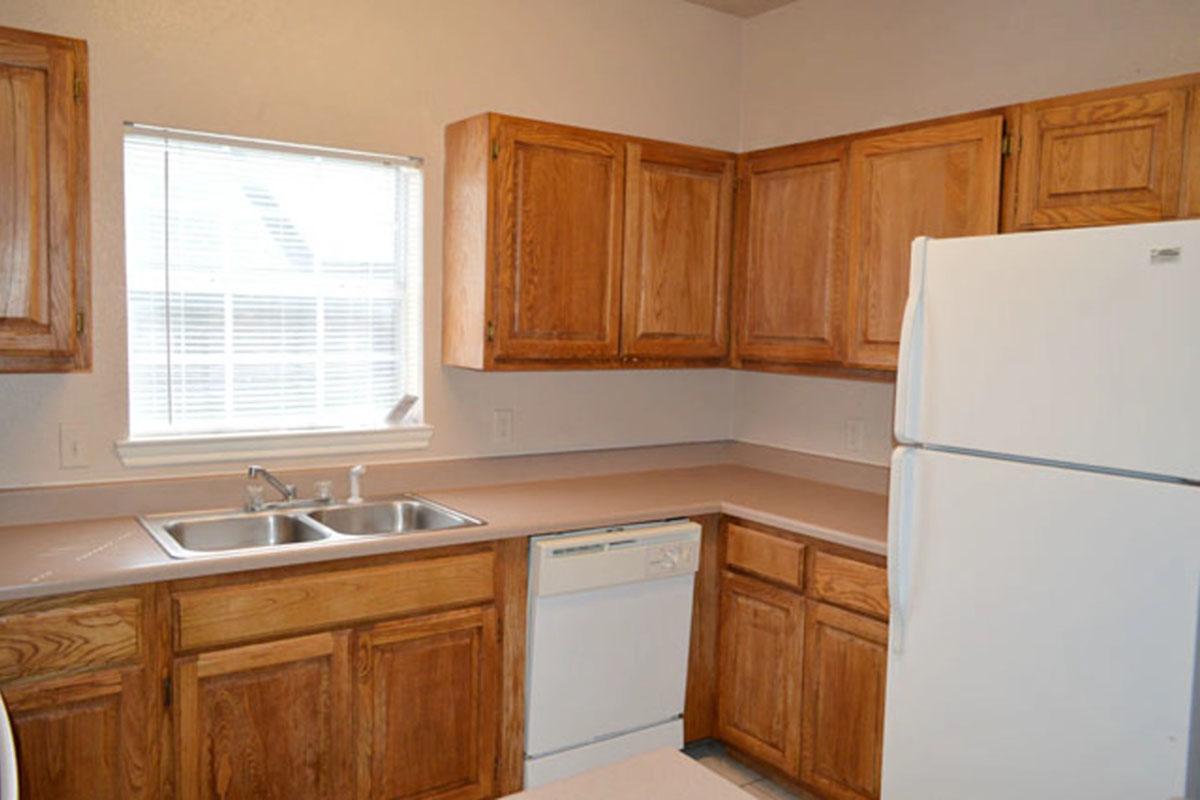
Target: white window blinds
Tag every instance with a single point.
(270, 287)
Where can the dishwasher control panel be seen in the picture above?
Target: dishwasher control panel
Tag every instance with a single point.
(575, 562)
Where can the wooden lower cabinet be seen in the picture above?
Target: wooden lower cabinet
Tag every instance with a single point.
(760, 665)
(269, 720)
(426, 695)
(845, 672)
(85, 737)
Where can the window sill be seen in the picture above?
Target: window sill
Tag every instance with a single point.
(165, 450)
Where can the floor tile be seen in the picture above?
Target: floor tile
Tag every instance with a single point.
(729, 769)
(769, 790)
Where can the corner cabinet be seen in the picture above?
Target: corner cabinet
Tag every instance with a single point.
(571, 248)
(802, 659)
(44, 235)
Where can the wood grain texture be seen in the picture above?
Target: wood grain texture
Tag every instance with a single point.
(1101, 158)
(44, 244)
(427, 711)
(761, 659)
(512, 581)
(242, 612)
(1190, 203)
(789, 278)
(465, 250)
(845, 674)
(939, 180)
(776, 557)
(849, 582)
(559, 198)
(267, 720)
(71, 638)
(678, 246)
(700, 700)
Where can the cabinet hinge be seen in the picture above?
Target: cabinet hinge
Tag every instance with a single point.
(491, 331)
(80, 320)
(167, 692)
(78, 88)
(495, 149)
(1007, 145)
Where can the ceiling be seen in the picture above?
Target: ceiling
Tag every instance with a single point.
(742, 8)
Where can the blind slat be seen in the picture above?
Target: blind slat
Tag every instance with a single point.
(268, 289)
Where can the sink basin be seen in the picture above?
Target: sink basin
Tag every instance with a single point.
(408, 515)
(186, 536)
(216, 533)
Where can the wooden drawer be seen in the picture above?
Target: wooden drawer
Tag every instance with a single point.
(849, 583)
(242, 612)
(72, 637)
(772, 557)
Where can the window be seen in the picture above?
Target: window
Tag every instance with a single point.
(270, 287)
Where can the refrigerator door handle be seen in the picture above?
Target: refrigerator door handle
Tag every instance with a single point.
(900, 512)
(908, 363)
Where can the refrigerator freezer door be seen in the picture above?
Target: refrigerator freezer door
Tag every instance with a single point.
(1049, 633)
(1076, 346)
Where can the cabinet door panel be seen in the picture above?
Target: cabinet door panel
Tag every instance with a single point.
(940, 180)
(427, 703)
(266, 720)
(86, 736)
(559, 204)
(761, 659)
(678, 211)
(845, 673)
(791, 255)
(43, 199)
(1103, 160)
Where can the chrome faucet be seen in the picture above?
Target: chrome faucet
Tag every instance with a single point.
(286, 489)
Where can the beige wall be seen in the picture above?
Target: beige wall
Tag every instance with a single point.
(823, 67)
(384, 75)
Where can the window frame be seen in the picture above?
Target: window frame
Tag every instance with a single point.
(207, 447)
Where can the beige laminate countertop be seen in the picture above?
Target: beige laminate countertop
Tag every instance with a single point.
(54, 558)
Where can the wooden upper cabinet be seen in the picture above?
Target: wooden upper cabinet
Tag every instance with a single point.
(845, 673)
(791, 255)
(1101, 158)
(427, 707)
(44, 284)
(1190, 205)
(678, 243)
(938, 180)
(760, 662)
(266, 720)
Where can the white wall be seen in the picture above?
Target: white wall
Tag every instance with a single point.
(824, 67)
(384, 75)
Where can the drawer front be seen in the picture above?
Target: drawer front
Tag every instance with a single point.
(849, 583)
(238, 613)
(85, 636)
(772, 557)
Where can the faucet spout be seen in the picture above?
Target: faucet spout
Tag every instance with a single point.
(286, 489)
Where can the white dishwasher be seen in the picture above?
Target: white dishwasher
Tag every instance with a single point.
(610, 617)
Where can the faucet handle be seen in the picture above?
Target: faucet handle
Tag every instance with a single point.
(253, 497)
(356, 476)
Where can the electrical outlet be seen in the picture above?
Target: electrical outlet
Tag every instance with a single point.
(856, 435)
(72, 447)
(502, 425)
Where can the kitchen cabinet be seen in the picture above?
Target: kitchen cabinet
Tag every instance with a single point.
(265, 720)
(1102, 157)
(760, 666)
(79, 676)
(845, 673)
(571, 248)
(426, 707)
(44, 238)
(932, 180)
(678, 246)
(790, 275)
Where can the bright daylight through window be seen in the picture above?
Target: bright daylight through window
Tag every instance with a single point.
(271, 287)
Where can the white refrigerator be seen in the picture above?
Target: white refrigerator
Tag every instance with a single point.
(1044, 524)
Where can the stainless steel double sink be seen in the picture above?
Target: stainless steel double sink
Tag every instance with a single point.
(223, 532)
